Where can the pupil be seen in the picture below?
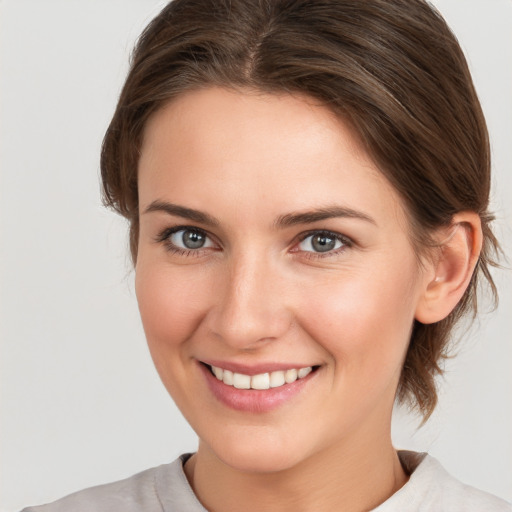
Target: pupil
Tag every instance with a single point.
(193, 239)
(323, 243)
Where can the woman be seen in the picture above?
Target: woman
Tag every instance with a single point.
(307, 187)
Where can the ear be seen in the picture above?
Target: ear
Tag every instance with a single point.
(449, 274)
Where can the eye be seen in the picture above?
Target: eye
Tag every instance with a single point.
(322, 242)
(190, 239)
(185, 239)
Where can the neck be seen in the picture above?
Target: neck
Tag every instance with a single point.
(350, 478)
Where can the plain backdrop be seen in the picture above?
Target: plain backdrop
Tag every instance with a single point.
(81, 403)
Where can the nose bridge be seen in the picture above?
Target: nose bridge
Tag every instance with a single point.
(252, 308)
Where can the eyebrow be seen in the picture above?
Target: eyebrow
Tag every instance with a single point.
(182, 211)
(329, 212)
(287, 220)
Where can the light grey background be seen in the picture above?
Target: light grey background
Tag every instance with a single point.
(80, 401)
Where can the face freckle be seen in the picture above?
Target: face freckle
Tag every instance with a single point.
(256, 175)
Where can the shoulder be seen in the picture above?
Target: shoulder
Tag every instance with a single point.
(154, 490)
(132, 494)
(432, 488)
(454, 495)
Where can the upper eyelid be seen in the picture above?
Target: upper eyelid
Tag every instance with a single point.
(166, 232)
(340, 236)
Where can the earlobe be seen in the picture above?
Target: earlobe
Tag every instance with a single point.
(451, 271)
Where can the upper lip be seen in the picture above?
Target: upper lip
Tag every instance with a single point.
(255, 369)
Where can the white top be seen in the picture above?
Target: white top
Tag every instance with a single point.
(166, 489)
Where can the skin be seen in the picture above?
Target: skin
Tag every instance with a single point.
(258, 293)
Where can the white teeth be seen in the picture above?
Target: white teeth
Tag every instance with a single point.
(227, 377)
(241, 381)
(303, 372)
(276, 379)
(262, 380)
(290, 376)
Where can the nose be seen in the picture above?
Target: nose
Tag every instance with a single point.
(251, 308)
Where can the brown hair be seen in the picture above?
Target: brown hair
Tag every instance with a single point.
(392, 68)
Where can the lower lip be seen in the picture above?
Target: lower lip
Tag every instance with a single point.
(253, 400)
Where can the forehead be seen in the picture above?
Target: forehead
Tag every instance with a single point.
(259, 151)
(218, 112)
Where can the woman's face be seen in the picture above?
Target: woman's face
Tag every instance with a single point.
(269, 243)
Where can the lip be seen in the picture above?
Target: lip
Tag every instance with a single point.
(253, 400)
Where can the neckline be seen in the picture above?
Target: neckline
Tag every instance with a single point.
(410, 460)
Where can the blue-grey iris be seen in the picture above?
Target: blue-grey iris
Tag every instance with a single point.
(323, 243)
(193, 239)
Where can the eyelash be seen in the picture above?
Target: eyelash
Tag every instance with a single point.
(346, 242)
(164, 236)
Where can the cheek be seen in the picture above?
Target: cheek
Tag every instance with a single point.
(171, 304)
(363, 319)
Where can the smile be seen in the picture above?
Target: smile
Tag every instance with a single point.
(257, 388)
(267, 380)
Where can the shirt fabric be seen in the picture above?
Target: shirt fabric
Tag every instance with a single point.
(166, 489)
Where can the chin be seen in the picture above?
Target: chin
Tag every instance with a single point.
(258, 453)
(251, 461)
